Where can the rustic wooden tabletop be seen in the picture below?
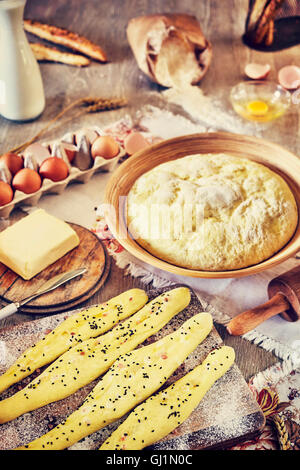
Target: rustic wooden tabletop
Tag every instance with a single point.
(105, 23)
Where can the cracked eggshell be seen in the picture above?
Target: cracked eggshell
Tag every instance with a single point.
(257, 71)
(289, 77)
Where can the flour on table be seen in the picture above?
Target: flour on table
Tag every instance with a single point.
(210, 111)
(165, 124)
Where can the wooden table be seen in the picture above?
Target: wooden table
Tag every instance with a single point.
(105, 23)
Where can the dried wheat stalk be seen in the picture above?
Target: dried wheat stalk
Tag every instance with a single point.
(85, 105)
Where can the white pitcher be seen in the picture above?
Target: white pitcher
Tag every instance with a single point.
(21, 88)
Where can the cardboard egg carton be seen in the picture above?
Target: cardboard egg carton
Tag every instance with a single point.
(81, 170)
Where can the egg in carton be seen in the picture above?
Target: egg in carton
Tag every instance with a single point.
(75, 149)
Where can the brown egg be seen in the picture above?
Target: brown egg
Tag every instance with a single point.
(26, 180)
(54, 168)
(13, 162)
(105, 146)
(6, 193)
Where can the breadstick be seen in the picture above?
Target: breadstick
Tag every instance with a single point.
(131, 379)
(89, 359)
(86, 324)
(52, 54)
(65, 38)
(162, 413)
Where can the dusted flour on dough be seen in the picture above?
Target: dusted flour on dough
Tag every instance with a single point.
(211, 212)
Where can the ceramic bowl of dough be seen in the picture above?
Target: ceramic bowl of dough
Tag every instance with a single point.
(272, 156)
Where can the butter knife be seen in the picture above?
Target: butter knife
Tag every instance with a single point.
(50, 285)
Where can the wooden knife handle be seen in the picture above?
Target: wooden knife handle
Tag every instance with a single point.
(249, 319)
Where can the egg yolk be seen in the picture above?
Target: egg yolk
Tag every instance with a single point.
(258, 108)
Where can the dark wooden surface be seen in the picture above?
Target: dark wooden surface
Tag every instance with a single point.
(105, 22)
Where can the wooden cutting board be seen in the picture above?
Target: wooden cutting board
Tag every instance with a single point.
(90, 254)
(228, 413)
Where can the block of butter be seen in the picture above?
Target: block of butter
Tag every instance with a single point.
(35, 242)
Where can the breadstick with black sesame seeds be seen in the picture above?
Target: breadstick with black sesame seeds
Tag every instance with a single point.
(88, 360)
(131, 379)
(88, 323)
(165, 411)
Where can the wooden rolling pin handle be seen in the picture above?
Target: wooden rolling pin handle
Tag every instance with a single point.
(249, 319)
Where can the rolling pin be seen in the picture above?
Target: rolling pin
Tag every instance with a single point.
(284, 299)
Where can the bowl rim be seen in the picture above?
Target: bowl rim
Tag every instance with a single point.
(261, 82)
(247, 83)
(120, 231)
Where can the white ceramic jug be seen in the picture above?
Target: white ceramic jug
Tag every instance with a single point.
(21, 88)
